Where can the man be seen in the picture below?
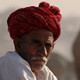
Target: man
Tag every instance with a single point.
(34, 31)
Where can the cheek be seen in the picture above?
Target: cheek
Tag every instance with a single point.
(30, 50)
(27, 53)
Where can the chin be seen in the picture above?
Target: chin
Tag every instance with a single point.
(38, 67)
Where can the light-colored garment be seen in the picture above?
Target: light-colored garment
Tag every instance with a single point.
(13, 67)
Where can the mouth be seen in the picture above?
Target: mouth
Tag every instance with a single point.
(37, 59)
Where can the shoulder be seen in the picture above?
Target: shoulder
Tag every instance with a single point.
(3, 65)
(3, 59)
(8, 60)
(49, 73)
(13, 66)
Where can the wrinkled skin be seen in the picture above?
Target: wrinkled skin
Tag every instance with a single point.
(35, 47)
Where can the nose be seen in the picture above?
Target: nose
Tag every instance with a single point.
(43, 51)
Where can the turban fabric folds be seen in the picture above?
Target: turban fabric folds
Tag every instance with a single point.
(30, 18)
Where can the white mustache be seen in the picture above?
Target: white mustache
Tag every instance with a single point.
(41, 58)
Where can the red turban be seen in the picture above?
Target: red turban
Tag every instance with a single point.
(34, 18)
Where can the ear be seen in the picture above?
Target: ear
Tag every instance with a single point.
(17, 44)
(53, 45)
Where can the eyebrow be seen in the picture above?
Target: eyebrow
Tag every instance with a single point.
(36, 41)
(39, 42)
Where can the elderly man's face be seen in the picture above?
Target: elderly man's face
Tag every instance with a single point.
(36, 48)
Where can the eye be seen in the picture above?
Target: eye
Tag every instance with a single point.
(48, 45)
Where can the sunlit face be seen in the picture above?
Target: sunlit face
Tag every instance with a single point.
(36, 48)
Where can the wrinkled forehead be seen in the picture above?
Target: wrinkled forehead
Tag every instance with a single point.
(40, 35)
